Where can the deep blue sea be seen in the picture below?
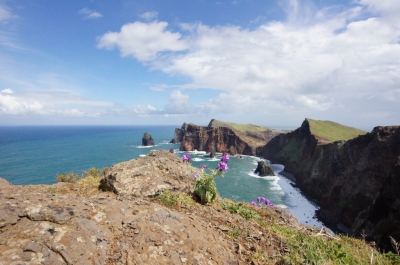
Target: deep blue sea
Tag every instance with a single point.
(35, 154)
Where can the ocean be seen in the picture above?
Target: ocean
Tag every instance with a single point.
(36, 154)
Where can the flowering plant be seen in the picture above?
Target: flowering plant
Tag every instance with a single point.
(205, 187)
(260, 201)
(186, 158)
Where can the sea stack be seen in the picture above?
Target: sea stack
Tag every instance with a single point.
(263, 169)
(147, 140)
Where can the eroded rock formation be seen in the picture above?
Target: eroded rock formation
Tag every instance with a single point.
(147, 140)
(263, 169)
(219, 139)
(356, 182)
(178, 134)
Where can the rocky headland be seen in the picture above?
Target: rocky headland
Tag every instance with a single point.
(222, 137)
(354, 178)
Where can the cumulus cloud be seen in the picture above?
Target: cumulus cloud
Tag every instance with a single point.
(316, 60)
(89, 13)
(149, 15)
(143, 41)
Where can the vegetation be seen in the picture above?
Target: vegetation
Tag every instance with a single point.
(297, 245)
(85, 184)
(64, 177)
(252, 134)
(329, 131)
(175, 199)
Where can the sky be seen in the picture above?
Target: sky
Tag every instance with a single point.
(151, 62)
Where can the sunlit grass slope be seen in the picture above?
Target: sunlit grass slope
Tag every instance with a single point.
(329, 131)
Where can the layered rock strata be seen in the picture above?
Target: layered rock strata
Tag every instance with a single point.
(211, 139)
(356, 182)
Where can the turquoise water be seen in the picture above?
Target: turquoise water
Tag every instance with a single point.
(34, 155)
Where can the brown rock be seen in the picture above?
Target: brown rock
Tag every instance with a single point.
(356, 182)
(146, 176)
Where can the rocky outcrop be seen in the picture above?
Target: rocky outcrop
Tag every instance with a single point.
(223, 137)
(147, 140)
(131, 178)
(219, 139)
(61, 224)
(356, 182)
(178, 134)
(263, 169)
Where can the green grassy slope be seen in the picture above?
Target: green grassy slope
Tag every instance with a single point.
(329, 131)
(252, 134)
(239, 127)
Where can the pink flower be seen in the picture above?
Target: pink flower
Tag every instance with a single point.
(196, 175)
(225, 158)
(186, 158)
(222, 166)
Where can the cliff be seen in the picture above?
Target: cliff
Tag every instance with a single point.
(355, 182)
(178, 134)
(223, 137)
(149, 216)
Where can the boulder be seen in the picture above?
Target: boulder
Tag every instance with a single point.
(147, 140)
(165, 169)
(263, 169)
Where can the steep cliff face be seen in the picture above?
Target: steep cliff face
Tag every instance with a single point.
(221, 136)
(178, 134)
(219, 139)
(356, 182)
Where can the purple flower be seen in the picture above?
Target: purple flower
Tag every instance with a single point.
(267, 202)
(222, 166)
(196, 175)
(253, 203)
(225, 158)
(260, 204)
(202, 166)
(259, 199)
(186, 158)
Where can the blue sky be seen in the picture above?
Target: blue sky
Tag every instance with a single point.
(167, 62)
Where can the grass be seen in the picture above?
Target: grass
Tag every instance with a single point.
(289, 245)
(251, 134)
(308, 248)
(175, 199)
(86, 184)
(329, 131)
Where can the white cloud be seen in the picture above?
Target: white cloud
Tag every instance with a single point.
(151, 15)
(143, 41)
(49, 103)
(11, 105)
(89, 13)
(7, 91)
(317, 60)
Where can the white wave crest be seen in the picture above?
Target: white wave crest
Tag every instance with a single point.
(140, 146)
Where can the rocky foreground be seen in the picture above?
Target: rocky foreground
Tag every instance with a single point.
(69, 223)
